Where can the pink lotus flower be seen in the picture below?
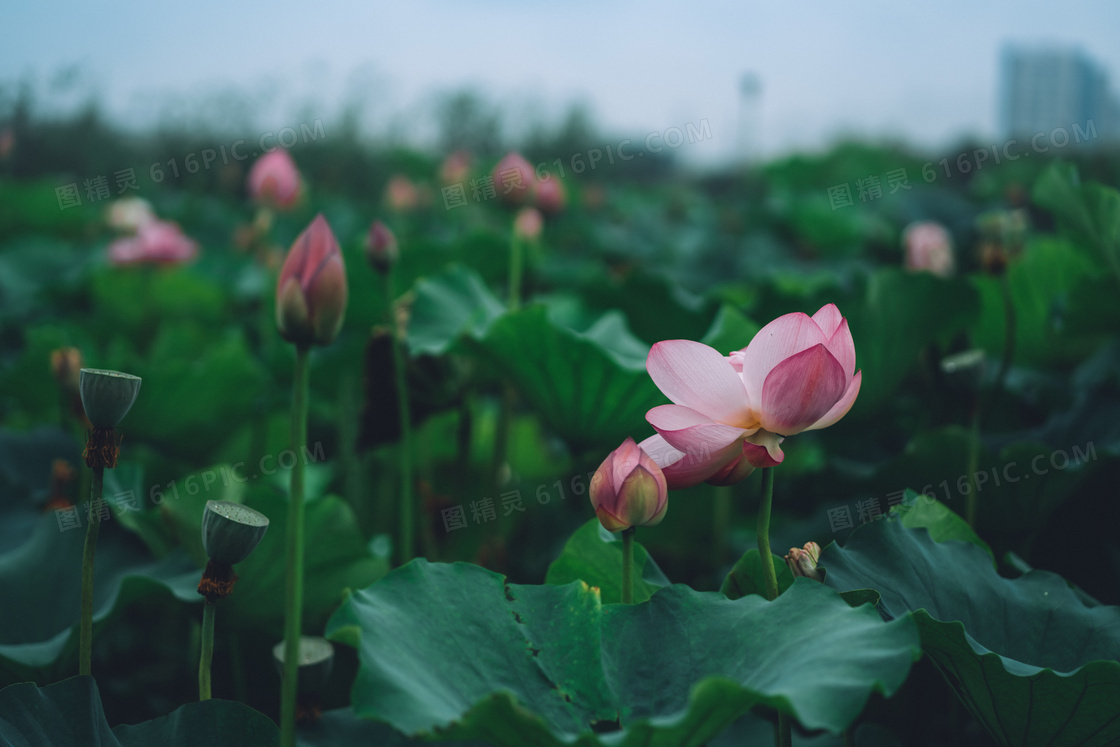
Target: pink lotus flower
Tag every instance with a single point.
(129, 213)
(311, 292)
(928, 248)
(401, 194)
(455, 168)
(274, 180)
(797, 374)
(629, 489)
(514, 179)
(528, 224)
(155, 242)
(551, 196)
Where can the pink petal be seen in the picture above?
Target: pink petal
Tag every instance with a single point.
(689, 431)
(695, 375)
(843, 348)
(736, 470)
(785, 336)
(840, 409)
(801, 390)
(626, 458)
(828, 318)
(681, 471)
(763, 449)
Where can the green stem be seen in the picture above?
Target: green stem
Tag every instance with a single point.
(1008, 330)
(293, 577)
(973, 464)
(628, 565)
(406, 545)
(207, 651)
(514, 273)
(85, 636)
(850, 737)
(501, 435)
(764, 534)
(721, 520)
(785, 729)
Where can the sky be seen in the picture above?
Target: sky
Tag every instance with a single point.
(921, 72)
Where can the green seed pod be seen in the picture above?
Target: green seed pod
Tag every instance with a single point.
(316, 657)
(230, 531)
(107, 396)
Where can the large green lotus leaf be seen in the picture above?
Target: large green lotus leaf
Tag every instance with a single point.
(659, 308)
(594, 396)
(1091, 210)
(594, 555)
(342, 727)
(747, 576)
(942, 523)
(454, 651)
(1029, 659)
(902, 313)
(731, 330)
(25, 476)
(69, 714)
(42, 580)
(447, 305)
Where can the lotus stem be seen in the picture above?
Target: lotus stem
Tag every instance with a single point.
(973, 464)
(406, 545)
(764, 534)
(514, 272)
(293, 579)
(207, 651)
(1008, 330)
(721, 520)
(85, 635)
(628, 565)
(785, 730)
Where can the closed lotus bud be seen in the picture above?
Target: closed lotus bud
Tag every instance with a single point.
(803, 561)
(231, 531)
(629, 489)
(381, 247)
(66, 367)
(311, 292)
(514, 179)
(456, 168)
(274, 180)
(316, 659)
(401, 194)
(528, 223)
(107, 396)
(551, 196)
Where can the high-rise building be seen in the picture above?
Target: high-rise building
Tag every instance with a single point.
(1043, 88)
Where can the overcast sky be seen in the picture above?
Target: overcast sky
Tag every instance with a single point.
(925, 72)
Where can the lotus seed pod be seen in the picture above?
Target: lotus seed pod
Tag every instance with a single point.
(316, 658)
(107, 396)
(230, 531)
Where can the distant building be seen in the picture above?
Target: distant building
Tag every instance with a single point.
(1044, 88)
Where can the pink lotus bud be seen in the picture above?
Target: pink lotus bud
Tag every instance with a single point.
(803, 561)
(156, 242)
(928, 248)
(456, 168)
(381, 247)
(514, 179)
(401, 194)
(274, 180)
(551, 196)
(629, 489)
(311, 291)
(129, 213)
(528, 223)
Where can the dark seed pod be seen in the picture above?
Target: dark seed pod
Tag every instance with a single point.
(230, 531)
(107, 396)
(316, 657)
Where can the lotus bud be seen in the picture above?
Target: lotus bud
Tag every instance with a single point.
(803, 561)
(230, 531)
(401, 194)
(274, 180)
(311, 292)
(629, 489)
(514, 179)
(107, 396)
(381, 247)
(528, 223)
(316, 659)
(456, 168)
(551, 196)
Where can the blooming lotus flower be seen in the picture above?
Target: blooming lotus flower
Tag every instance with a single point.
(629, 489)
(514, 179)
(551, 196)
(797, 374)
(155, 242)
(928, 248)
(381, 247)
(528, 223)
(803, 561)
(129, 213)
(311, 291)
(274, 180)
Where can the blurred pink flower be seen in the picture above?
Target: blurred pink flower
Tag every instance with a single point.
(274, 180)
(311, 291)
(629, 489)
(129, 213)
(155, 242)
(456, 168)
(929, 248)
(401, 194)
(382, 251)
(514, 179)
(551, 196)
(797, 374)
(528, 224)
